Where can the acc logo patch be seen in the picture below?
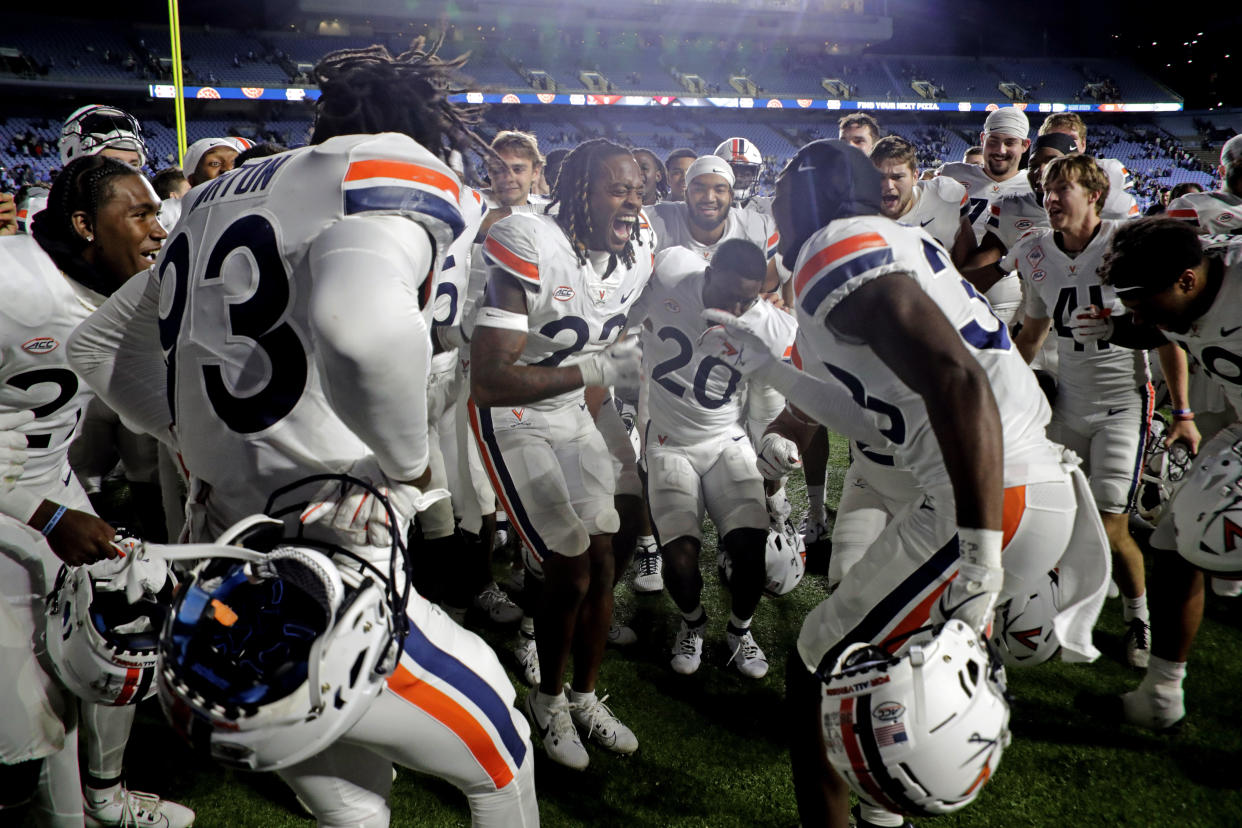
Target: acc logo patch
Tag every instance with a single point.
(1023, 224)
(40, 345)
(563, 293)
(888, 711)
(672, 306)
(1225, 218)
(1038, 276)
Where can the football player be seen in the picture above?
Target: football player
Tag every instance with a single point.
(207, 158)
(295, 298)
(1104, 401)
(1120, 203)
(514, 170)
(973, 155)
(697, 451)
(97, 129)
(1188, 290)
(551, 323)
(746, 161)
(678, 161)
(1005, 140)
(98, 230)
(886, 323)
(938, 205)
(655, 176)
(859, 130)
(1218, 211)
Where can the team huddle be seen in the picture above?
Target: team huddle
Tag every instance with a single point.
(345, 364)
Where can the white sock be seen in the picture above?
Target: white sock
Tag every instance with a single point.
(1132, 608)
(736, 623)
(816, 512)
(647, 542)
(526, 628)
(695, 617)
(579, 698)
(1164, 677)
(879, 816)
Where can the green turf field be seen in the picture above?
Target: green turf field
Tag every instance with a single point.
(711, 750)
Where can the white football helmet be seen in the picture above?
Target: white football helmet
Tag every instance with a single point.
(103, 627)
(1022, 631)
(747, 163)
(94, 128)
(1163, 469)
(920, 734)
(1207, 513)
(269, 656)
(784, 560)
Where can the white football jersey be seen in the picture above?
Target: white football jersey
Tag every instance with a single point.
(982, 190)
(455, 296)
(847, 254)
(671, 222)
(1215, 338)
(1006, 295)
(1060, 285)
(573, 310)
(939, 204)
(1120, 203)
(1012, 216)
(693, 397)
(41, 308)
(1213, 213)
(251, 408)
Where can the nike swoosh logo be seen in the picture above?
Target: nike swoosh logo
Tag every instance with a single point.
(925, 223)
(1113, 411)
(626, 297)
(735, 439)
(1229, 331)
(67, 477)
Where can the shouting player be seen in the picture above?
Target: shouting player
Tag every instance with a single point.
(556, 305)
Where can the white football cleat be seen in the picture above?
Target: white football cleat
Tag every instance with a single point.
(1138, 643)
(602, 726)
(688, 651)
(649, 569)
(528, 659)
(550, 718)
(1152, 710)
(747, 656)
(1226, 588)
(135, 808)
(499, 607)
(621, 635)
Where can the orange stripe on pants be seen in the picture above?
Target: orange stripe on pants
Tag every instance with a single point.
(1015, 508)
(456, 718)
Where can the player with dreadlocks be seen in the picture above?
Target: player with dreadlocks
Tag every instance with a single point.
(314, 358)
(559, 289)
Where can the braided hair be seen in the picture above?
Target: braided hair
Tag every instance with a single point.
(84, 185)
(368, 90)
(572, 192)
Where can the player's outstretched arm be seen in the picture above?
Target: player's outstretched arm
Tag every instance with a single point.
(117, 352)
(907, 330)
(964, 245)
(982, 267)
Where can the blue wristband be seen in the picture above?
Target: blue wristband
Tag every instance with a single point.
(51, 524)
